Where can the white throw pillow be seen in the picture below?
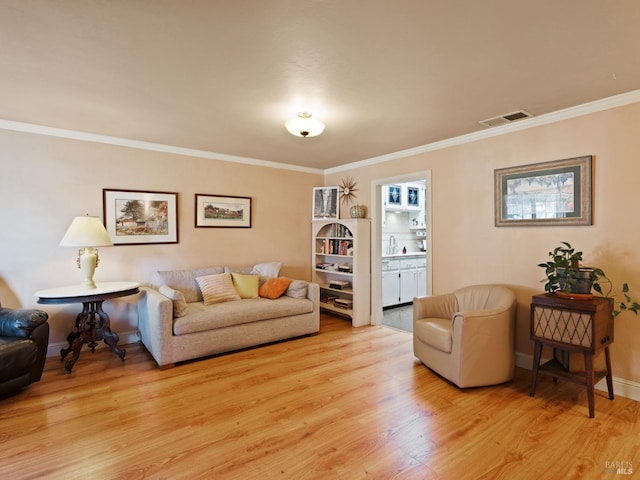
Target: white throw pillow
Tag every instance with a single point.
(267, 270)
(217, 288)
(297, 289)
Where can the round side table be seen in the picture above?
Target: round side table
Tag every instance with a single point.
(92, 324)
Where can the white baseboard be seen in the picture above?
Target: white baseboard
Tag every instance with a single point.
(621, 387)
(53, 350)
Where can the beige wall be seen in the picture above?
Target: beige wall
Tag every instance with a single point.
(468, 248)
(46, 181)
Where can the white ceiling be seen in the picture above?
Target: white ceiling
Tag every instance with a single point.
(384, 75)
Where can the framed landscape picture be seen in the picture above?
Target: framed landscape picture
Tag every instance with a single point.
(549, 193)
(137, 217)
(222, 211)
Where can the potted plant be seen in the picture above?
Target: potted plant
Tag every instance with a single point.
(566, 276)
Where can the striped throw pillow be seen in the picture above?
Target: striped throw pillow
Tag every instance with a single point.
(217, 288)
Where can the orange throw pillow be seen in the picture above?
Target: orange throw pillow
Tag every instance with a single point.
(274, 287)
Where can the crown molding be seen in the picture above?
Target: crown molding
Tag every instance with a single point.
(560, 115)
(141, 145)
(557, 116)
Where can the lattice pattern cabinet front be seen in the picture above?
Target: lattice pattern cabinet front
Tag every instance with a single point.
(572, 327)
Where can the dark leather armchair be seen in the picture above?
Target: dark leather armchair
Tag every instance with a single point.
(24, 337)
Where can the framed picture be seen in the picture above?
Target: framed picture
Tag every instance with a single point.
(134, 217)
(549, 193)
(325, 203)
(219, 211)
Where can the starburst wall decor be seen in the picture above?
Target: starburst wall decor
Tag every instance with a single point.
(348, 189)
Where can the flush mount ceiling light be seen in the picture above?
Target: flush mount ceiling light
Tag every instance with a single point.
(304, 126)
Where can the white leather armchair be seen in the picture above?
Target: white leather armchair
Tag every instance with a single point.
(467, 336)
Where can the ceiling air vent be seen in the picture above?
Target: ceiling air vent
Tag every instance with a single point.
(507, 118)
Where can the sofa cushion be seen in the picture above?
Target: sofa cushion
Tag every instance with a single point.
(274, 287)
(184, 281)
(246, 285)
(201, 317)
(179, 303)
(217, 288)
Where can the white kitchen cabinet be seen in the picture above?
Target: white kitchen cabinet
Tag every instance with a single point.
(390, 288)
(390, 282)
(403, 279)
(408, 285)
(404, 197)
(421, 277)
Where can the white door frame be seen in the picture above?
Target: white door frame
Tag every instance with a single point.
(376, 236)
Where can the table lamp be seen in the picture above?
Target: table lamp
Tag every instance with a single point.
(86, 232)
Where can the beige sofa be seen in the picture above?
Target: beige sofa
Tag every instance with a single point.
(467, 336)
(181, 327)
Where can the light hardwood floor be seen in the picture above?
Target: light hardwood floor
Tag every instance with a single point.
(349, 403)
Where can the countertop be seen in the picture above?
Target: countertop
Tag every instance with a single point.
(408, 254)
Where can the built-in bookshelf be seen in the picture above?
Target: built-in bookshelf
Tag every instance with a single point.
(341, 266)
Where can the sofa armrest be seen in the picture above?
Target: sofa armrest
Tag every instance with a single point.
(40, 335)
(155, 322)
(313, 294)
(20, 323)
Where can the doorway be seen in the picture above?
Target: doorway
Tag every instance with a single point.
(401, 241)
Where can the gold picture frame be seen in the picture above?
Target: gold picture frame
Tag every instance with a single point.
(138, 217)
(544, 194)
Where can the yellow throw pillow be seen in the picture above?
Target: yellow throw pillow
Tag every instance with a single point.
(217, 288)
(274, 287)
(246, 285)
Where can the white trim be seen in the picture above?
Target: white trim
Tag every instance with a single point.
(376, 236)
(155, 147)
(572, 112)
(621, 387)
(567, 113)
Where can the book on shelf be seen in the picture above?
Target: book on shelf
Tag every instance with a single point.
(340, 285)
(332, 246)
(325, 266)
(328, 298)
(343, 303)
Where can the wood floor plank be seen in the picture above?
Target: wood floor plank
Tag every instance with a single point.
(345, 404)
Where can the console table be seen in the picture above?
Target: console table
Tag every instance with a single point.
(582, 326)
(92, 324)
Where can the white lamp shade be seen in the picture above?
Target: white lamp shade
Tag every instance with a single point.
(304, 126)
(86, 232)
